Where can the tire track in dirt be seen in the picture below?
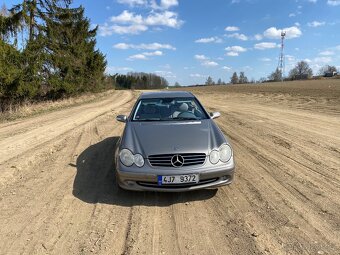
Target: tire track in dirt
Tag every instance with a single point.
(45, 231)
(56, 125)
(245, 138)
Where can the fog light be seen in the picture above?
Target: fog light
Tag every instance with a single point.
(130, 183)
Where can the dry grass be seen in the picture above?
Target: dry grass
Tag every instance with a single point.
(30, 109)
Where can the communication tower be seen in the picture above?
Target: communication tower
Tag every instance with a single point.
(281, 64)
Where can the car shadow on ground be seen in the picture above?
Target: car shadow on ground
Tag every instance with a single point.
(95, 183)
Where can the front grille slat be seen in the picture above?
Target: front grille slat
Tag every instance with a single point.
(164, 160)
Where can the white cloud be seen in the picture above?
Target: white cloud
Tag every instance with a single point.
(236, 49)
(145, 55)
(231, 29)
(137, 56)
(115, 69)
(290, 58)
(131, 23)
(107, 30)
(143, 46)
(232, 54)
(326, 53)
(265, 59)
(167, 18)
(133, 3)
(227, 68)
(233, 51)
(265, 45)
(316, 24)
(127, 17)
(205, 61)
(291, 15)
(307, 60)
(214, 39)
(197, 75)
(201, 57)
(188, 67)
(154, 53)
(333, 2)
(238, 36)
(209, 63)
(166, 74)
(164, 4)
(168, 3)
(312, 1)
(274, 33)
(258, 37)
(324, 60)
(122, 46)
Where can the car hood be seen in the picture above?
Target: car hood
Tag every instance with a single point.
(150, 138)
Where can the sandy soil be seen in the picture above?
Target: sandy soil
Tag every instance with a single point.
(57, 194)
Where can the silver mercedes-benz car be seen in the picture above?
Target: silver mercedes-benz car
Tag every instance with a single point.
(170, 143)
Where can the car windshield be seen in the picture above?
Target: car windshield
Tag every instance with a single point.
(167, 109)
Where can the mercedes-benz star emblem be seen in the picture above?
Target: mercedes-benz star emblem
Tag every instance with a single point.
(177, 161)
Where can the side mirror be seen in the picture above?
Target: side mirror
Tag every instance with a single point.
(215, 115)
(121, 118)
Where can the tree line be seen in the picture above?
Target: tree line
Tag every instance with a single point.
(234, 79)
(302, 71)
(137, 80)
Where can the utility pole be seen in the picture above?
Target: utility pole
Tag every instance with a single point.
(281, 64)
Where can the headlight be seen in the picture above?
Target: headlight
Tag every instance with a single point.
(225, 153)
(126, 157)
(138, 159)
(214, 157)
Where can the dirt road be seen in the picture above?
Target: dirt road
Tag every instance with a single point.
(57, 194)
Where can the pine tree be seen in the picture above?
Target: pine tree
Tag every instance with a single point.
(74, 63)
(234, 78)
(243, 78)
(209, 81)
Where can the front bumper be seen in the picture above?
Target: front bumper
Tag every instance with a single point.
(145, 178)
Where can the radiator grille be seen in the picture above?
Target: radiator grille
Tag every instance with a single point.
(164, 160)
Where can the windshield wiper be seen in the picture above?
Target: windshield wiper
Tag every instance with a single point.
(155, 119)
(184, 118)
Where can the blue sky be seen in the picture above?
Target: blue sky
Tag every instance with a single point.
(188, 40)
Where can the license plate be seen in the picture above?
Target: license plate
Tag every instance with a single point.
(178, 179)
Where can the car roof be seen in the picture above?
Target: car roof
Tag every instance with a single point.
(165, 94)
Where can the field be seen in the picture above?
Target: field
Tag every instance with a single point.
(57, 194)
